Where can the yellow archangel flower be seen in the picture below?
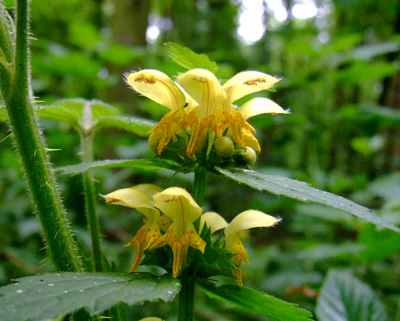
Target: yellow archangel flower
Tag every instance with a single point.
(242, 222)
(199, 102)
(176, 204)
(160, 88)
(215, 108)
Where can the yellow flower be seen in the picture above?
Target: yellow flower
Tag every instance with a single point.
(140, 198)
(160, 88)
(215, 108)
(244, 221)
(180, 209)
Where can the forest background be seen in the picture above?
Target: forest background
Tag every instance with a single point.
(339, 64)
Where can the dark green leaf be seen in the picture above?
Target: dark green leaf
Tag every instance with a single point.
(188, 59)
(257, 302)
(142, 164)
(46, 296)
(303, 192)
(345, 298)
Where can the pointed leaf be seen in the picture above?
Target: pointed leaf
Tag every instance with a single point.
(303, 192)
(257, 302)
(188, 59)
(46, 296)
(142, 164)
(345, 298)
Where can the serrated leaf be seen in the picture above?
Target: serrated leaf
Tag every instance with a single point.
(142, 164)
(136, 125)
(188, 59)
(46, 296)
(257, 302)
(72, 110)
(345, 298)
(303, 192)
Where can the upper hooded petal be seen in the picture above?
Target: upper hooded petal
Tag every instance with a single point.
(258, 106)
(204, 88)
(138, 197)
(250, 219)
(247, 82)
(157, 86)
(179, 206)
(213, 220)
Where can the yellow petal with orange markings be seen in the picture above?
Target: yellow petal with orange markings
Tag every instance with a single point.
(157, 86)
(247, 82)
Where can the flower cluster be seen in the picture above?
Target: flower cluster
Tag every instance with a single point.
(199, 103)
(169, 217)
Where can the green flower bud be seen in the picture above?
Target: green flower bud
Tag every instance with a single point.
(250, 156)
(154, 140)
(224, 147)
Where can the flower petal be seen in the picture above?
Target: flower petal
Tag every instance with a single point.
(138, 197)
(213, 220)
(205, 89)
(157, 86)
(179, 206)
(247, 82)
(250, 219)
(258, 106)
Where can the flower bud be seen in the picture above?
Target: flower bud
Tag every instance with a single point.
(154, 140)
(250, 156)
(224, 147)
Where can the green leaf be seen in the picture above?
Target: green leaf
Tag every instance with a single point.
(303, 192)
(345, 298)
(142, 164)
(257, 302)
(71, 110)
(188, 59)
(135, 125)
(46, 296)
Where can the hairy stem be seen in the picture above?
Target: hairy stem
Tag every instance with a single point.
(31, 149)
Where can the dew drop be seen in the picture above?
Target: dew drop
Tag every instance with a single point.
(75, 277)
(19, 291)
(114, 281)
(95, 282)
(80, 290)
(65, 291)
(50, 284)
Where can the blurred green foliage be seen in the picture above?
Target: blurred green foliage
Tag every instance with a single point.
(340, 78)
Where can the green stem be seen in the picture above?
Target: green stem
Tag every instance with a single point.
(186, 295)
(186, 299)
(88, 186)
(31, 149)
(199, 185)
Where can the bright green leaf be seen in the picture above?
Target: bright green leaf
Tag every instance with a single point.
(345, 298)
(46, 296)
(142, 164)
(257, 302)
(188, 59)
(303, 192)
